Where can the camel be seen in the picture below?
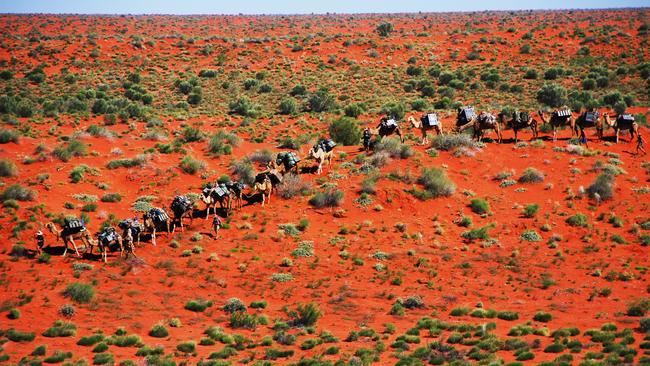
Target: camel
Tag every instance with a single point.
(518, 124)
(265, 187)
(69, 237)
(485, 121)
(383, 130)
(321, 156)
(581, 123)
(558, 121)
(282, 168)
(151, 225)
(236, 192)
(622, 124)
(104, 243)
(210, 197)
(424, 127)
(181, 211)
(127, 240)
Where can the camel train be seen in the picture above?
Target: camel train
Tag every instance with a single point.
(229, 195)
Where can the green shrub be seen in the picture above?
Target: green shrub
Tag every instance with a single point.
(306, 315)
(602, 188)
(243, 170)
(57, 357)
(7, 136)
(552, 95)
(436, 183)
(577, 220)
(507, 315)
(644, 325)
(479, 206)
(261, 304)
(90, 340)
(531, 175)
(530, 235)
(159, 331)
(452, 141)
(18, 193)
(222, 142)
(234, 305)
(79, 292)
(198, 305)
(17, 336)
(8, 168)
(274, 354)
(192, 166)
(288, 106)
(543, 317)
(39, 351)
(638, 307)
(72, 148)
(328, 198)
(384, 29)
(244, 107)
(61, 329)
(345, 131)
(138, 161)
(554, 348)
(241, 319)
(531, 210)
(459, 311)
(479, 233)
(186, 347)
(111, 197)
(13, 314)
(103, 359)
(100, 347)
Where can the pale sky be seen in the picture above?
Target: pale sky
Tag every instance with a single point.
(293, 6)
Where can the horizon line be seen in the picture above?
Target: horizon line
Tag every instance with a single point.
(333, 12)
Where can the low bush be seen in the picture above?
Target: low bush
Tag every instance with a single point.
(292, 185)
(638, 307)
(394, 148)
(241, 319)
(479, 233)
(543, 317)
(345, 131)
(7, 136)
(329, 198)
(18, 193)
(103, 359)
(479, 206)
(436, 183)
(507, 315)
(243, 170)
(72, 148)
(222, 142)
(137, 161)
(198, 305)
(81, 293)
(234, 305)
(186, 347)
(8, 168)
(453, 141)
(17, 336)
(531, 175)
(577, 220)
(61, 329)
(306, 315)
(159, 331)
(602, 188)
(111, 197)
(530, 235)
(191, 165)
(531, 210)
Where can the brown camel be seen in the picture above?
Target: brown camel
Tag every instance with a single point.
(236, 193)
(282, 168)
(69, 237)
(181, 209)
(211, 197)
(104, 243)
(265, 187)
(482, 122)
(519, 122)
(152, 225)
(321, 156)
(622, 122)
(425, 127)
(589, 119)
(558, 120)
(383, 130)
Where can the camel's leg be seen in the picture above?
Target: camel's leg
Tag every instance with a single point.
(75, 247)
(65, 251)
(153, 236)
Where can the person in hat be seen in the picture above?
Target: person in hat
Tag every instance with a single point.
(639, 144)
(216, 225)
(367, 135)
(40, 241)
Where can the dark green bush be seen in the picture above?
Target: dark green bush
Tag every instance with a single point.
(436, 183)
(159, 331)
(198, 305)
(81, 293)
(288, 106)
(322, 101)
(111, 197)
(222, 142)
(384, 29)
(552, 95)
(306, 315)
(531, 210)
(543, 317)
(345, 131)
(8, 168)
(7, 136)
(577, 220)
(191, 165)
(479, 206)
(328, 198)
